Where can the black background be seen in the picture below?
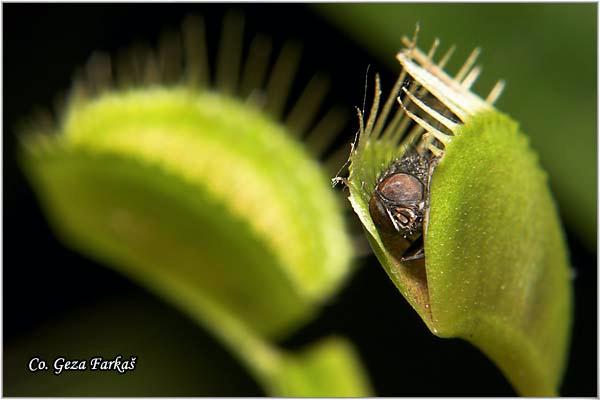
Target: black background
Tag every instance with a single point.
(44, 282)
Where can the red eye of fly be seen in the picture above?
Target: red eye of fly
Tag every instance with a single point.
(401, 188)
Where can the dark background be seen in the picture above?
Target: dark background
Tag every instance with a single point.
(58, 302)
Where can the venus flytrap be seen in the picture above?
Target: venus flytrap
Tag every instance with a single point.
(493, 269)
(204, 198)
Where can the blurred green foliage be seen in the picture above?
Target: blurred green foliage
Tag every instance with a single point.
(546, 53)
(195, 196)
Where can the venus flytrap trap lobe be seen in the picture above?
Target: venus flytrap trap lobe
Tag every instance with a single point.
(206, 198)
(494, 269)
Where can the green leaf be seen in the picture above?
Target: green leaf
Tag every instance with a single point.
(213, 206)
(331, 363)
(496, 271)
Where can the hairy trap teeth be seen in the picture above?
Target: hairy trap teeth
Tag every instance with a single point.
(453, 101)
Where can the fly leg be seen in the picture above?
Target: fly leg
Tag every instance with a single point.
(415, 251)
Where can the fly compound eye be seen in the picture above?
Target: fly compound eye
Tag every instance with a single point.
(401, 189)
